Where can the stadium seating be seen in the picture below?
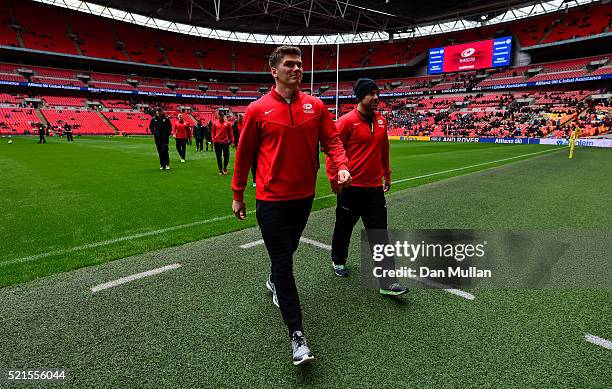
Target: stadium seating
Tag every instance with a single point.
(83, 122)
(57, 101)
(8, 37)
(95, 36)
(11, 98)
(99, 37)
(580, 23)
(12, 77)
(14, 121)
(141, 43)
(43, 27)
(48, 28)
(129, 123)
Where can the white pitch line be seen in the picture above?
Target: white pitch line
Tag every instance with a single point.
(316, 244)
(476, 165)
(134, 277)
(456, 292)
(214, 219)
(598, 341)
(437, 285)
(252, 244)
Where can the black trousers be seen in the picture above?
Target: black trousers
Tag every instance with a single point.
(69, 137)
(208, 142)
(181, 147)
(41, 139)
(369, 205)
(282, 224)
(162, 150)
(199, 144)
(222, 148)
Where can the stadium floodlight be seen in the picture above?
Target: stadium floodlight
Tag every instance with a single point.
(512, 14)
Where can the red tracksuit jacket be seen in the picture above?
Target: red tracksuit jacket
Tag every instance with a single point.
(222, 132)
(285, 137)
(367, 150)
(181, 130)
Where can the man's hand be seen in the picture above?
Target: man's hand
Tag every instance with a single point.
(386, 185)
(344, 178)
(239, 209)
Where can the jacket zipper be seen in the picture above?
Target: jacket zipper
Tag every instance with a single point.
(291, 114)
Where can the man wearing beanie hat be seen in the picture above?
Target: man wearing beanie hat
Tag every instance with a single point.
(363, 133)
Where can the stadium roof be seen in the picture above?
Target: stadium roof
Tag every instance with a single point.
(315, 21)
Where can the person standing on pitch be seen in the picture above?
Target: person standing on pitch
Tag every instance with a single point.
(199, 132)
(68, 132)
(208, 135)
(222, 137)
(363, 133)
(181, 134)
(41, 134)
(284, 128)
(161, 128)
(237, 129)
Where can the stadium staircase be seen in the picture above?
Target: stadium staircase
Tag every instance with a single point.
(545, 35)
(199, 59)
(72, 35)
(190, 116)
(16, 31)
(42, 117)
(166, 57)
(111, 125)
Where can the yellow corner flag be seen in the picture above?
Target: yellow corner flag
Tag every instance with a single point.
(575, 135)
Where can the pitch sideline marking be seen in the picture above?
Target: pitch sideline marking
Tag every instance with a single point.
(598, 341)
(252, 244)
(315, 243)
(133, 277)
(476, 165)
(220, 218)
(456, 292)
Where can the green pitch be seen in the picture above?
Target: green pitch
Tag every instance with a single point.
(69, 205)
(211, 323)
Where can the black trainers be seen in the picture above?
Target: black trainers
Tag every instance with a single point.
(301, 351)
(393, 290)
(272, 289)
(340, 270)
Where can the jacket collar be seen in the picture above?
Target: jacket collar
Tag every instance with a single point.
(375, 115)
(277, 96)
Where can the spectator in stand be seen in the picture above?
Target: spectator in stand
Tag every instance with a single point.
(222, 137)
(161, 128)
(182, 133)
(199, 132)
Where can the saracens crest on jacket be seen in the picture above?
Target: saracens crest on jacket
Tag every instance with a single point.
(308, 108)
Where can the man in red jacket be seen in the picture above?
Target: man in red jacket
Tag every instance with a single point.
(222, 137)
(363, 133)
(181, 132)
(284, 128)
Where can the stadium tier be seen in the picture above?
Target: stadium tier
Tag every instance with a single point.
(129, 123)
(83, 122)
(49, 28)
